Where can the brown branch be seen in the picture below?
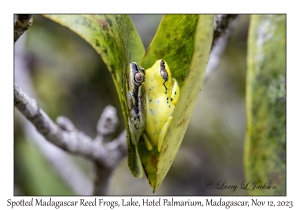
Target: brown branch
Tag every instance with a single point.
(222, 25)
(22, 23)
(73, 141)
(106, 156)
(106, 126)
(223, 28)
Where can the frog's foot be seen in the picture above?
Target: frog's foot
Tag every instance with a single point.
(175, 92)
(147, 142)
(134, 135)
(162, 134)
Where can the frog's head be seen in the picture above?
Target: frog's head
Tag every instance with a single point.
(135, 76)
(160, 71)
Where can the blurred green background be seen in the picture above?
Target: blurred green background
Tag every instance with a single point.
(70, 79)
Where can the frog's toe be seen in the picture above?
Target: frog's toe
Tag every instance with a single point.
(147, 142)
(175, 92)
(162, 134)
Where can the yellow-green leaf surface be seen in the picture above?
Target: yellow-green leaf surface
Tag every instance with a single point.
(174, 43)
(265, 142)
(115, 38)
(184, 42)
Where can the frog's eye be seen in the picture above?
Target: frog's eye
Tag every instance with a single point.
(138, 77)
(163, 71)
(164, 75)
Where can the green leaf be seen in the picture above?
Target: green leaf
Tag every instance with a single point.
(265, 142)
(115, 38)
(184, 42)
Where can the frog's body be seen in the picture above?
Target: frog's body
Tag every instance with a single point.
(162, 93)
(135, 94)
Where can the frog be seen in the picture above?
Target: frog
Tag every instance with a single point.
(136, 104)
(162, 94)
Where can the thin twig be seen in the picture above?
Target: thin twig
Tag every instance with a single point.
(22, 23)
(223, 28)
(106, 126)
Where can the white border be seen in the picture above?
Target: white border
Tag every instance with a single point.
(153, 6)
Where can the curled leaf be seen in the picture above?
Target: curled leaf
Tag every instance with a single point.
(115, 38)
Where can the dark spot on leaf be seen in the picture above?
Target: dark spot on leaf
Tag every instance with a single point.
(159, 53)
(181, 122)
(104, 50)
(108, 20)
(175, 38)
(163, 152)
(168, 35)
(181, 49)
(171, 99)
(103, 24)
(87, 23)
(153, 161)
(188, 31)
(97, 43)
